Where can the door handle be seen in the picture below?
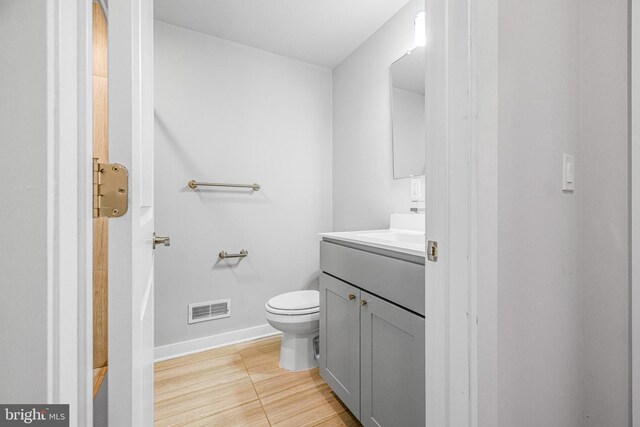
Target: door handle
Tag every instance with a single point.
(160, 240)
(352, 297)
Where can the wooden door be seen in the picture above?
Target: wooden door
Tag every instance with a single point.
(100, 152)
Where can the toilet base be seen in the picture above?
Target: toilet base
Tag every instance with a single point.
(298, 351)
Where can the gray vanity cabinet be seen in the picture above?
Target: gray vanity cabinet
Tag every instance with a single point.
(340, 354)
(392, 367)
(372, 333)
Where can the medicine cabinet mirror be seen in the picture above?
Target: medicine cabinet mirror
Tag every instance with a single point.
(408, 114)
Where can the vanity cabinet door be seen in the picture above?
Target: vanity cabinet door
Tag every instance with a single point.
(340, 340)
(392, 365)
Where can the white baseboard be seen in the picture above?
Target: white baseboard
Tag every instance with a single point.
(183, 348)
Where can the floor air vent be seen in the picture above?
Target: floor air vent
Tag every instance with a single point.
(210, 310)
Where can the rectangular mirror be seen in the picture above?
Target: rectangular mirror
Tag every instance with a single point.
(408, 114)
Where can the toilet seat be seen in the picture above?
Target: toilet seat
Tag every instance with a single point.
(294, 303)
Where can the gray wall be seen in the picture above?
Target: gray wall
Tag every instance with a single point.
(231, 113)
(539, 305)
(23, 147)
(604, 212)
(563, 295)
(364, 191)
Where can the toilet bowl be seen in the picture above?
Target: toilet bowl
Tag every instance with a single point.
(297, 316)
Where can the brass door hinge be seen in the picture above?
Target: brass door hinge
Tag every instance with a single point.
(110, 189)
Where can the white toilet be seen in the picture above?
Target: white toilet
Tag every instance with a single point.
(297, 315)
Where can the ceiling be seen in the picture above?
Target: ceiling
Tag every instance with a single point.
(319, 32)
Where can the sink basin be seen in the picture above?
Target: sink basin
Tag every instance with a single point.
(395, 236)
(405, 235)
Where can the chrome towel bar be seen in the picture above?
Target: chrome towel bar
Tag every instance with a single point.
(194, 184)
(243, 253)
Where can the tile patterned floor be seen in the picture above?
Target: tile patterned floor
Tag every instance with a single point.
(242, 385)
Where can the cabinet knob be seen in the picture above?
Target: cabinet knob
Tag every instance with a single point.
(363, 302)
(352, 297)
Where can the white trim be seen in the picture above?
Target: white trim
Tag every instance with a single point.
(183, 348)
(484, 213)
(69, 357)
(436, 295)
(635, 215)
(453, 202)
(65, 208)
(52, 356)
(85, 211)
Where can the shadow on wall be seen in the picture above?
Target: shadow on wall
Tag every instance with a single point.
(171, 138)
(249, 274)
(231, 265)
(217, 195)
(313, 282)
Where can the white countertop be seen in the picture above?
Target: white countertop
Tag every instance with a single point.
(402, 241)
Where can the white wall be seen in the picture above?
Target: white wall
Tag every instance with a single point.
(232, 113)
(364, 191)
(539, 305)
(604, 212)
(23, 146)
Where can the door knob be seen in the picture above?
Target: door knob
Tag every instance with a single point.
(159, 240)
(352, 297)
(363, 302)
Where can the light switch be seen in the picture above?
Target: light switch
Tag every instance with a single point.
(569, 172)
(416, 191)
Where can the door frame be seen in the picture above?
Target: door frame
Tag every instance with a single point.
(70, 218)
(634, 129)
(131, 283)
(462, 212)
(447, 281)
(69, 202)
